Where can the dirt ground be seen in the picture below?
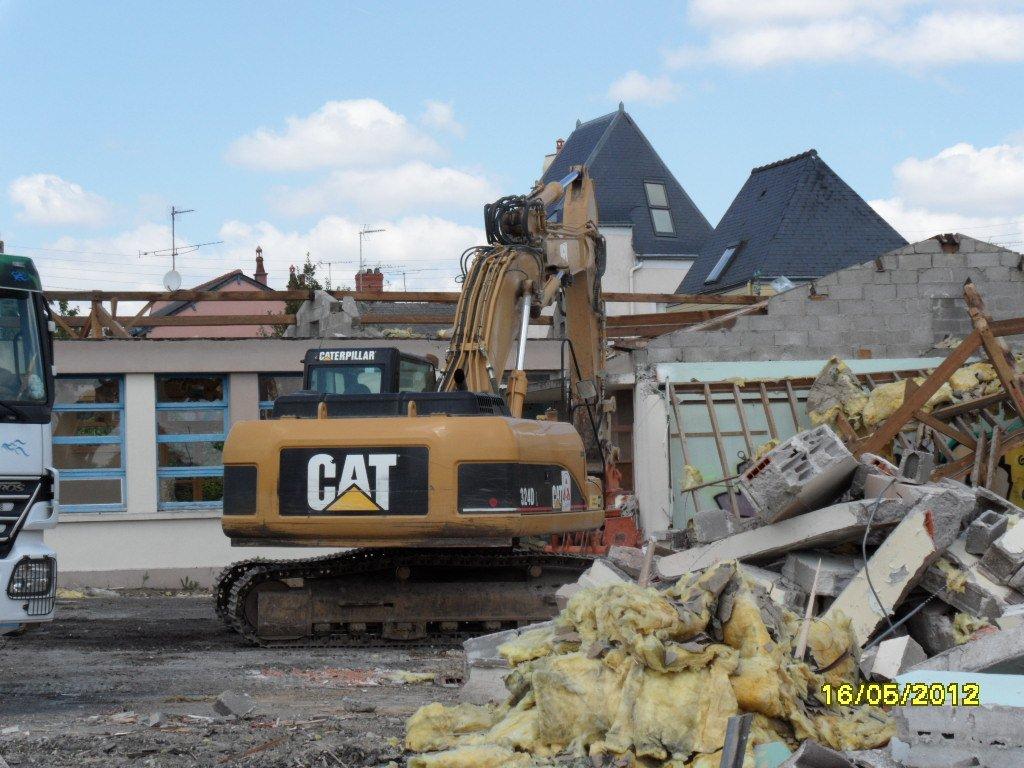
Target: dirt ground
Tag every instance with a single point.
(83, 690)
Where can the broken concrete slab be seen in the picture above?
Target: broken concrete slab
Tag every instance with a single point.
(958, 580)
(830, 525)
(807, 471)
(872, 758)
(484, 685)
(482, 650)
(602, 573)
(895, 656)
(1000, 651)
(984, 530)
(836, 571)
(812, 755)
(780, 589)
(1006, 555)
(881, 486)
(564, 594)
(900, 562)
(629, 560)
(987, 500)
(932, 626)
(231, 704)
(990, 734)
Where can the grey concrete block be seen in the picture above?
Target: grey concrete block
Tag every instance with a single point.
(802, 474)
(976, 594)
(711, 525)
(879, 292)
(895, 656)
(230, 704)
(836, 571)
(630, 560)
(931, 245)
(564, 594)
(932, 627)
(917, 466)
(484, 685)
(482, 651)
(914, 261)
(1006, 555)
(984, 530)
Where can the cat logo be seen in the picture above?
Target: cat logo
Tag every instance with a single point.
(384, 480)
(349, 490)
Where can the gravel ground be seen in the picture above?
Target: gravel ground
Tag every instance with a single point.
(83, 690)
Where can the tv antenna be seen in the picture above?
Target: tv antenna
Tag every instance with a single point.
(172, 280)
(362, 234)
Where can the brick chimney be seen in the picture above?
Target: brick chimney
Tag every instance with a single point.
(559, 143)
(370, 281)
(260, 274)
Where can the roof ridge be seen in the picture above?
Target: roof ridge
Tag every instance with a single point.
(785, 161)
(596, 119)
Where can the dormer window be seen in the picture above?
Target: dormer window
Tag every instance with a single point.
(661, 214)
(723, 261)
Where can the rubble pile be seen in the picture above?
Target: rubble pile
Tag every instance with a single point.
(631, 675)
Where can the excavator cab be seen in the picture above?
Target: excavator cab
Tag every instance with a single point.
(367, 371)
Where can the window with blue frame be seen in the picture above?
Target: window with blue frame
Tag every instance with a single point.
(272, 386)
(191, 426)
(88, 442)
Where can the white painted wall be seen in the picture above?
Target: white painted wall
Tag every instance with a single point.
(650, 451)
(626, 273)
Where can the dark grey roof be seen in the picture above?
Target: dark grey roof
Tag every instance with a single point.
(620, 159)
(794, 217)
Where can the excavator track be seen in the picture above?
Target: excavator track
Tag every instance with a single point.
(392, 597)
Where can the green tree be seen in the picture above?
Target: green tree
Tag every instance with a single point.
(64, 309)
(304, 280)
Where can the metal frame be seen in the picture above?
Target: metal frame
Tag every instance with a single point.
(164, 473)
(118, 439)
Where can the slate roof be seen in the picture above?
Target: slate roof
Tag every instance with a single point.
(620, 160)
(794, 217)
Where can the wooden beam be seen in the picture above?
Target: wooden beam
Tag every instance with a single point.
(946, 429)
(670, 318)
(183, 295)
(949, 411)
(878, 440)
(199, 321)
(678, 298)
(108, 322)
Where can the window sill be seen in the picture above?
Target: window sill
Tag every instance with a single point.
(130, 517)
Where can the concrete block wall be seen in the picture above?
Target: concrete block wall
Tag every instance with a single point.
(902, 310)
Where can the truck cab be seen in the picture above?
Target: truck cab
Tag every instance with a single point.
(367, 371)
(28, 482)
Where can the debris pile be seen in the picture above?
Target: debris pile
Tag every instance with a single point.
(632, 675)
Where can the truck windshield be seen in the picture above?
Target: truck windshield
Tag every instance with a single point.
(346, 379)
(21, 352)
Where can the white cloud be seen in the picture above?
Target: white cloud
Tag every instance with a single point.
(383, 192)
(924, 33)
(637, 87)
(49, 200)
(440, 115)
(978, 191)
(973, 180)
(358, 132)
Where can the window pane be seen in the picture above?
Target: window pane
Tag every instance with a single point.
(189, 389)
(190, 422)
(273, 386)
(85, 423)
(347, 379)
(93, 491)
(662, 221)
(185, 489)
(414, 376)
(656, 194)
(200, 454)
(87, 456)
(101, 389)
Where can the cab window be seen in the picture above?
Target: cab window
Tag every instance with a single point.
(415, 376)
(346, 379)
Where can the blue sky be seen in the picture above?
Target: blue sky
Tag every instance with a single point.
(292, 125)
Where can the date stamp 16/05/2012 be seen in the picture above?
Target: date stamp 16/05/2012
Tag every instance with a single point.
(901, 695)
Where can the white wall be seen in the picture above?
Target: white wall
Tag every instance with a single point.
(651, 479)
(625, 273)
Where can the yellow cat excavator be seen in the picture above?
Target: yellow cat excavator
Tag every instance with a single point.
(437, 490)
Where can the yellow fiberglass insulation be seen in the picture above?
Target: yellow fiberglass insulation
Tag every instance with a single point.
(835, 390)
(886, 398)
(650, 677)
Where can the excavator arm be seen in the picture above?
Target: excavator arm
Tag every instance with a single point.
(532, 262)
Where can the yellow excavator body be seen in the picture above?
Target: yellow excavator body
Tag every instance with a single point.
(377, 490)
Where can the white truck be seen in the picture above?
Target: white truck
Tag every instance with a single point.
(28, 482)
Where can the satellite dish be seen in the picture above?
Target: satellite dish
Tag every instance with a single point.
(172, 280)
